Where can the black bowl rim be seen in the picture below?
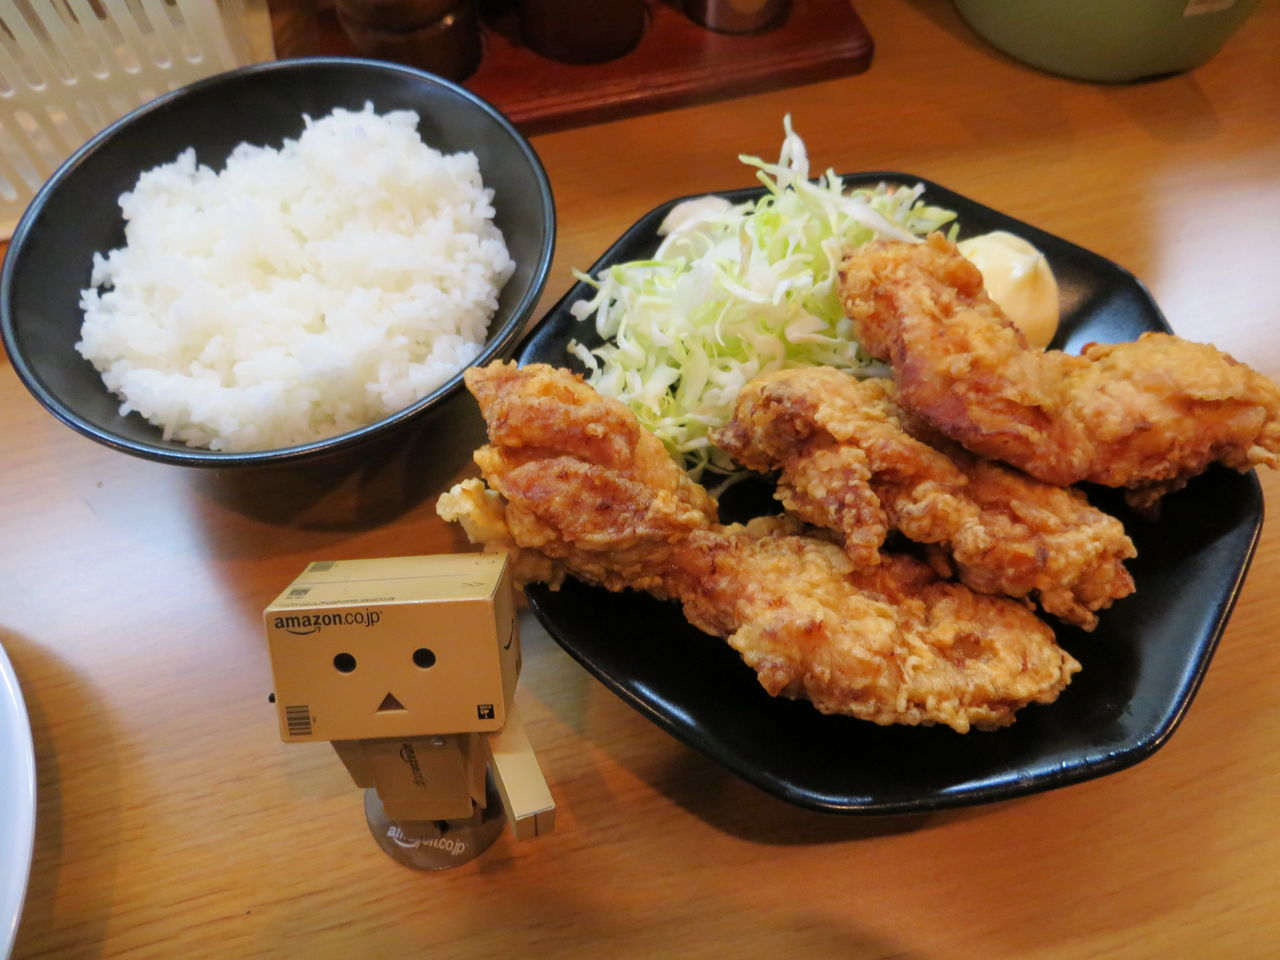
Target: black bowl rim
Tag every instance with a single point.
(501, 343)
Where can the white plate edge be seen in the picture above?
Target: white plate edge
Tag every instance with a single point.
(15, 745)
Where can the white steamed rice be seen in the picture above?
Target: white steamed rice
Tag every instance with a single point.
(300, 292)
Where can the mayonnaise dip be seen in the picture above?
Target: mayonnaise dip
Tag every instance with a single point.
(1019, 280)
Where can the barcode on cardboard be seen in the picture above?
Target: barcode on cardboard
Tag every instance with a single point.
(322, 566)
(298, 720)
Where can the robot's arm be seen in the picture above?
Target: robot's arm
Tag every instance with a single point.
(525, 798)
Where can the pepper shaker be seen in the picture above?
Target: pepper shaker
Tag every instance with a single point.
(442, 36)
(582, 31)
(737, 16)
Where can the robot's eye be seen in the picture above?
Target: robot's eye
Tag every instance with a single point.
(424, 658)
(344, 663)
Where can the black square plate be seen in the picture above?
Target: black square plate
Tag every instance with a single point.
(1142, 665)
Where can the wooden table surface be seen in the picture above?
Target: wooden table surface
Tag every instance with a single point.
(173, 821)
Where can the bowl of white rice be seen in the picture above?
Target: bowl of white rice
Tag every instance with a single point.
(279, 264)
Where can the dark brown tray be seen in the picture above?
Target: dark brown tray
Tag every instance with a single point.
(676, 63)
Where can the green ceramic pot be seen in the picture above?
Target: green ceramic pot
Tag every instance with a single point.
(1107, 40)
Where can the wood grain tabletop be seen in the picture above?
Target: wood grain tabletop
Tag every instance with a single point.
(174, 822)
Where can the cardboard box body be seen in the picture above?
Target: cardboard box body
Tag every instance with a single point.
(420, 778)
(399, 647)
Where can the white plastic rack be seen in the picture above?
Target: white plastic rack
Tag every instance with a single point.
(68, 68)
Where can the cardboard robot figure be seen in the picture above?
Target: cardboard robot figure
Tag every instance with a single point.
(408, 666)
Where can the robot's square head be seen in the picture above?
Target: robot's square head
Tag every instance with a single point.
(394, 648)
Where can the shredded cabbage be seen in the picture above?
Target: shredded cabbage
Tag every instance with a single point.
(734, 291)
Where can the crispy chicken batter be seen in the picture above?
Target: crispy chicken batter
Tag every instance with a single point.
(889, 643)
(1146, 415)
(544, 424)
(849, 462)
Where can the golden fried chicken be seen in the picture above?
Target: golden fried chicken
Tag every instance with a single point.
(544, 425)
(890, 643)
(540, 410)
(849, 462)
(1146, 415)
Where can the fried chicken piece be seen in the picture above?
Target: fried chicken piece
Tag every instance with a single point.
(483, 516)
(889, 644)
(1146, 415)
(552, 420)
(538, 410)
(849, 462)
